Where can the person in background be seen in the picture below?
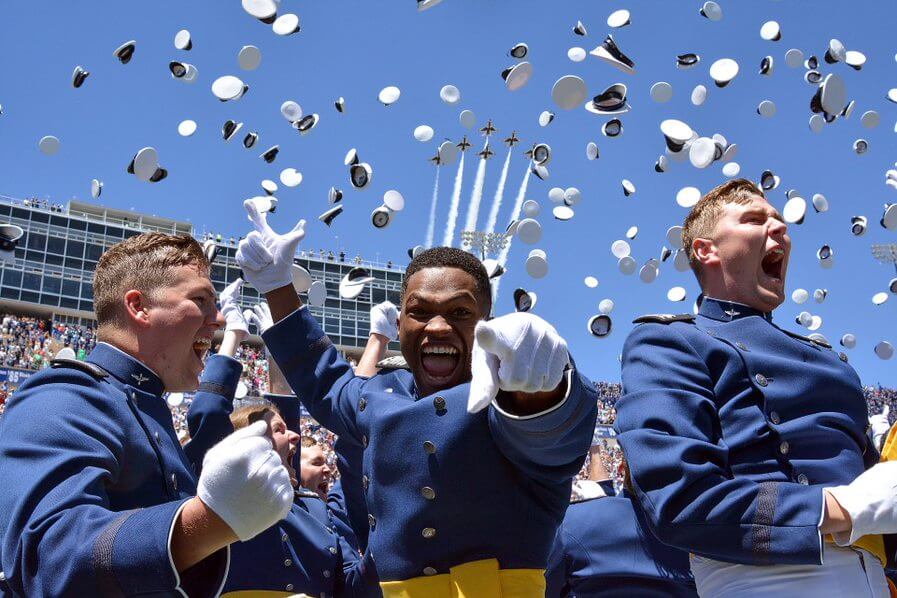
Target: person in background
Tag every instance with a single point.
(747, 442)
(308, 553)
(101, 500)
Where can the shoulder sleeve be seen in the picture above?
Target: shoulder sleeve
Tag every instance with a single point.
(208, 418)
(550, 446)
(63, 443)
(557, 571)
(669, 430)
(288, 405)
(317, 373)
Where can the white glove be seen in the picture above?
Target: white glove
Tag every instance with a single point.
(229, 308)
(880, 426)
(244, 481)
(517, 352)
(260, 315)
(265, 256)
(871, 500)
(385, 320)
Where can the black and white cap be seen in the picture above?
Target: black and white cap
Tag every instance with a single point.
(767, 66)
(264, 203)
(317, 294)
(183, 40)
(769, 180)
(306, 123)
(249, 58)
(600, 325)
(263, 10)
(836, 52)
(334, 195)
(291, 111)
(250, 139)
(340, 104)
(612, 128)
(389, 95)
(712, 11)
(518, 51)
(889, 217)
(270, 154)
(858, 225)
(10, 234)
(820, 203)
(229, 129)
(770, 31)
(517, 76)
(661, 92)
(610, 101)
(524, 300)
(545, 118)
(269, 186)
(78, 77)
(125, 52)
(302, 280)
(861, 146)
(353, 282)
(360, 175)
(537, 263)
(580, 29)
(228, 88)
(328, 216)
(145, 166)
(381, 217)
(450, 94)
(290, 177)
(687, 60)
(676, 133)
(611, 54)
(286, 24)
(96, 188)
(423, 5)
(210, 250)
(723, 71)
(884, 350)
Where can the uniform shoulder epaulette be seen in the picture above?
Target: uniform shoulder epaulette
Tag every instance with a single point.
(815, 341)
(663, 318)
(85, 366)
(396, 362)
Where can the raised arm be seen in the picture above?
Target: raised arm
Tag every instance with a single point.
(384, 328)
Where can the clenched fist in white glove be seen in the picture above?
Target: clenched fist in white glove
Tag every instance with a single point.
(385, 320)
(230, 310)
(871, 501)
(518, 352)
(244, 481)
(260, 315)
(265, 256)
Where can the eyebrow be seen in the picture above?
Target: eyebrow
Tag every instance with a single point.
(455, 297)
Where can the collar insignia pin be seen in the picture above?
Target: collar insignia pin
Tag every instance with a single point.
(731, 312)
(140, 378)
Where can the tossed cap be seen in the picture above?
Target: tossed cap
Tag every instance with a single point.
(389, 95)
(301, 278)
(423, 5)
(619, 18)
(731, 169)
(861, 146)
(612, 128)
(712, 11)
(264, 203)
(334, 195)
(228, 87)
(450, 94)
(545, 118)
(686, 61)
(687, 197)
(48, 145)
(250, 139)
(125, 52)
(676, 133)
(627, 265)
(270, 154)
(820, 203)
(531, 208)
(381, 217)
(795, 210)
(889, 217)
(836, 52)
(340, 104)
(306, 123)
(770, 31)
(263, 10)
(518, 51)
(766, 109)
(183, 41)
(590, 281)
(723, 71)
(186, 128)
(517, 76)
(562, 213)
(529, 231)
(467, 119)
(858, 225)
(702, 152)
(448, 152)
(794, 58)
(884, 350)
(767, 65)
(360, 175)
(331, 213)
(676, 294)
(353, 282)
(800, 296)
(144, 164)
(229, 129)
(632, 232)
(849, 341)
(580, 29)
(611, 54)
(96, 188)
(628, 187)
(855, 59)
(577, 54)
(286, 24)
(290, 177)
(269, 186)
(819, 295)
(870, 119)
(879, 298)
(674, 237)
(769, 180)
(661, 92)
(572, 196)
(600, 325)
(78, 77)
(10, 235)
(620, 249)
(537, 263)
(524, 300)
(423, 133)
(393, 200)
(317, 294)
(592, 150)
(569, 92)
(291, 111)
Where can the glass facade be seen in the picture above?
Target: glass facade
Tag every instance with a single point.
(55, 261)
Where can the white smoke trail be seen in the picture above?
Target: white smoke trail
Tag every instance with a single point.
(499, 193)
(473, 210)
(453, 207)
(431, 227)
(518, 205)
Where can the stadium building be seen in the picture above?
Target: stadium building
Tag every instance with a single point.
(52, 275)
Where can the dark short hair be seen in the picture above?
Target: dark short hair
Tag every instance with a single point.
(450, 257)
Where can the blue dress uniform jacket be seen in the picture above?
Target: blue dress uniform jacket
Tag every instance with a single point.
(732, 427)
(94, 478)
(443, 487)
(604, 547)
(303, 553)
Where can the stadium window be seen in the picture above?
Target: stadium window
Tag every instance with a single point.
(68, 302)
(58, 221)
(31, 281)
(131, 233)
(4, 210)
(77, 224)
(73, 263)
(12, 278)
(53, 260)
(52, 284)
(35, 256)
(87, 290)
(90, 266)
(40, 217)
(378, 296)
(36, 241)
(217, 273)
(20, 213)
(74, 249)
(49, 300)
(55, 245)
(331, 303)
(71, 287)
(94, 252)
(8, 293)
(30, 297)
(86, 306)
(93, 227)
(114, 232)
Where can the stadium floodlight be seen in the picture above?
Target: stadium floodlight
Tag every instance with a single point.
(886, 253)
(486, 242)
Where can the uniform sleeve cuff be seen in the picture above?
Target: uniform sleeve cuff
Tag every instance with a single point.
(221, 376)
(568, 376)
(192, 582)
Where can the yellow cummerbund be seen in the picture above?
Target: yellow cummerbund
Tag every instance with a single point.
(471, 580)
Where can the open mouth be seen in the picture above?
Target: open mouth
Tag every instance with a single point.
(440, 361)
(773, 262)
(201, 347)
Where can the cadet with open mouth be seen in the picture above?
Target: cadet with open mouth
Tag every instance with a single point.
(469, 457)
(760, 463)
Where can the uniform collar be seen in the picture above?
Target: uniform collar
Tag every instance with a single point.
(126, 368)
(727, 311)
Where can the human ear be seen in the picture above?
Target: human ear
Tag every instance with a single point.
(136, 308)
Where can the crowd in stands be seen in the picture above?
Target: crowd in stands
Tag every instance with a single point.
(30, 343)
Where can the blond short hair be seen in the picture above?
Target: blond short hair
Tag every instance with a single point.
(701, 221)
(146, 263)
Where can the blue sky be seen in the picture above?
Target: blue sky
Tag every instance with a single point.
(353, 49)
